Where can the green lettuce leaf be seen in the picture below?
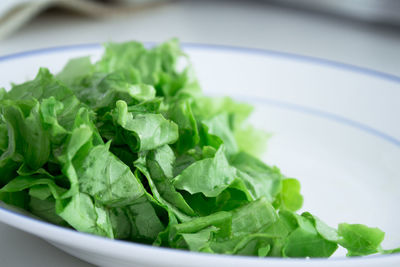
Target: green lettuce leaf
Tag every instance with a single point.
(208, 176)
(290, 198)
(144, 131)
(260, 179)
(359, 239)
(305, 241)
(83, 214)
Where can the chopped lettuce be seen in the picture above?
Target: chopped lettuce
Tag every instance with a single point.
(128, 148)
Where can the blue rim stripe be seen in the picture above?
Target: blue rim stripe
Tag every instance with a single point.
(300, 58)
(246, 50)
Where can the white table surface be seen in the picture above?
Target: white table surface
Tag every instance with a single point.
(240, 23)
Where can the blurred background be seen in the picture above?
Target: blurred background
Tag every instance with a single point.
(360, 32)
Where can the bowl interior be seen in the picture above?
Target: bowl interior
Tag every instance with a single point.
(332, 126)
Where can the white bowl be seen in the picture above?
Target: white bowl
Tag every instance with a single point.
(334, 127)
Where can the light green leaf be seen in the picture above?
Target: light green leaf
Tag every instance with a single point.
(145, 131)
(208, 176)
(359, 239)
